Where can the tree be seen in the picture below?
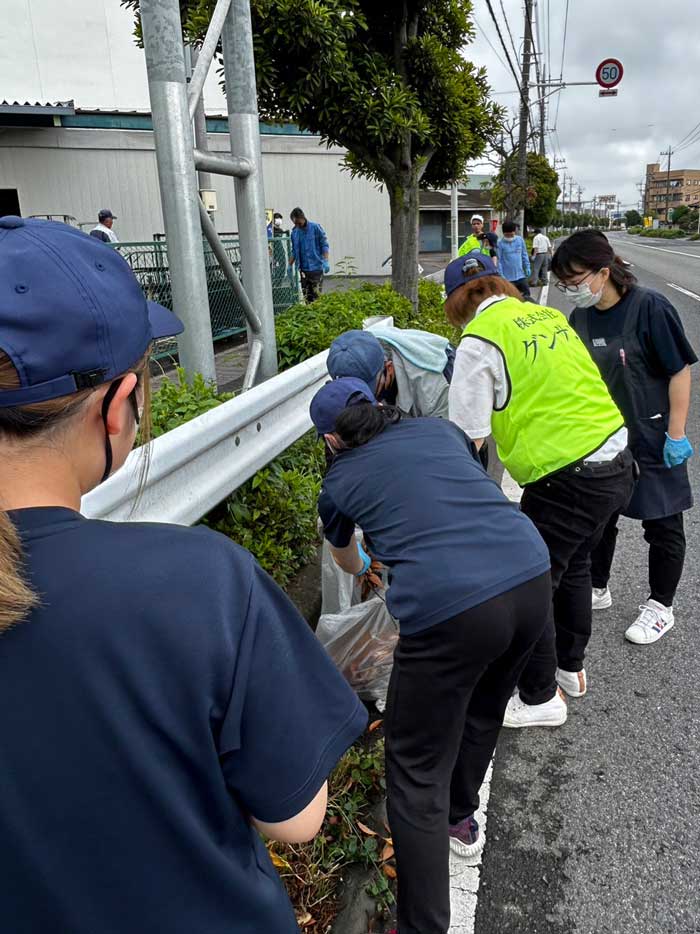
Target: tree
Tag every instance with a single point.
(386, 81)
(677, 214)
(633, 219)
(540, 197)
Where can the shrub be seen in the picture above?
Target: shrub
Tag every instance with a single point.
(273, 514)
(176, 403)
(663, 234)
(695, 236)
(431, 311)
(634, 230)
(305, 330)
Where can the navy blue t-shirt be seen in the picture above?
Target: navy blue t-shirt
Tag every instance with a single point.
(164, 690)
(429, 512)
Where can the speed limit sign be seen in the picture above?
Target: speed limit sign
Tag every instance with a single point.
(609, 73)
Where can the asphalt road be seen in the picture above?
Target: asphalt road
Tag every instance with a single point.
(594, 827)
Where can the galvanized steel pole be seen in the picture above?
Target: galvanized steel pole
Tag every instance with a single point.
(172, 129)
(244, 130)
(454, 220)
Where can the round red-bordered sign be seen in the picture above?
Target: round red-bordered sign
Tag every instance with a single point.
(609, 73)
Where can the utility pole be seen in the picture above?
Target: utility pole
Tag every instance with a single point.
(542, 112)
(642, 198)
(524, 114)
(563, 200)
(669, 153)
(454, 220)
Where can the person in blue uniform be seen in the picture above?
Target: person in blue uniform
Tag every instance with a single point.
(636, 337)
(470, 589)
(162, 700)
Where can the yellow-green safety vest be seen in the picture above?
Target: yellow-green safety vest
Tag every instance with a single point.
(473, 243)
(558, 409)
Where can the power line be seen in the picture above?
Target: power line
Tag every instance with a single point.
(493, 49)
(678, 145)
(510, 34)
(563, 55)
(505, 49)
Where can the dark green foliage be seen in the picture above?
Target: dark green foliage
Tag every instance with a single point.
(176, 403)
(539, 198)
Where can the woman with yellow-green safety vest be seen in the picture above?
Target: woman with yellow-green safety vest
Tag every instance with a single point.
(523, 375)
(482, 240)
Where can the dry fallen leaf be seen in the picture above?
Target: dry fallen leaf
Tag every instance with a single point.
(387, 852)
(305, 919)
(389, 871)
(375, 725)
(365, 829)
(279, 862)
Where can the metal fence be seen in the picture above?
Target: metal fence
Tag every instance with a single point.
(149, 261)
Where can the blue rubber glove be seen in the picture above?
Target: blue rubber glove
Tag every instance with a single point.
(326, 267)
(366, 560)
(677, 451)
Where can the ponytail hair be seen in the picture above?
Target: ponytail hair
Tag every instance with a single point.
(590, 251)
(23, 424)
(359, 423)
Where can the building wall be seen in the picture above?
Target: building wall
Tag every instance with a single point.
(78, 171)
(77, 49)
(682, 186)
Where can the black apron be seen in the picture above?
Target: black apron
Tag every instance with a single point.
(642, 397)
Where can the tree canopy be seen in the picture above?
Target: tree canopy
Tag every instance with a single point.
(386, 80)
(540, 197)
(633, 218)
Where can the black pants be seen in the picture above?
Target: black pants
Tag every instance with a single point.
(523, 287)
(447, 696)
(311, 285)
(666, 539)
(571, 509)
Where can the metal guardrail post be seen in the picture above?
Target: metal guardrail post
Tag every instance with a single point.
(172, 128)
(244, 130)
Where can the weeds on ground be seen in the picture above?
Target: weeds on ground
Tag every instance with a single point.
(313, 872)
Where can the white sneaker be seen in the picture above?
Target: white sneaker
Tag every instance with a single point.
(574, 683)
(602, 598)
(551, 713)
(654, 621)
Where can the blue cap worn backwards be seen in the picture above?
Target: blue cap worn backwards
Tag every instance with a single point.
(468, 268)
(72, 314)
(356, 353)
(335, 396)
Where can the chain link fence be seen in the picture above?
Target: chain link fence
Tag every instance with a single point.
(149, 262)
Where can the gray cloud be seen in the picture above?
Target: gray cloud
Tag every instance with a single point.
(607, 142)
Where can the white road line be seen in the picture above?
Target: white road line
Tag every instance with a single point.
(660, 249)
(684, 291)
(544, 295)
(465, 878)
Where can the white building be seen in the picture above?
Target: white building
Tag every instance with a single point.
(98, 152)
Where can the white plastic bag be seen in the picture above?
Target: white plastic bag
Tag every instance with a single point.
(361, 640)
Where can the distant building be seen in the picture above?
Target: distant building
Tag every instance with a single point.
(435, 213)
(681, 187)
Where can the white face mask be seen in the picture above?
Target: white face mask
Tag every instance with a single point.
(583, 297)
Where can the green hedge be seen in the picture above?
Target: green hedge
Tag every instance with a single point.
(634, 230)
(663, 234)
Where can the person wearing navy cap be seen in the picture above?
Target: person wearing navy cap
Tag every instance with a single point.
(162, 699)
(469, 587)
(523, 376)
(103, 230)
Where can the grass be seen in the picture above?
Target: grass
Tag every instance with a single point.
(313, 872)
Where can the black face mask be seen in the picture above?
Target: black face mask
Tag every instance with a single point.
(106, 402)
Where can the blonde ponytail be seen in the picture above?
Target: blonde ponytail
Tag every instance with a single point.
(16, 597)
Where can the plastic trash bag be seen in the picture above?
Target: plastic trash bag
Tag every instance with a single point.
(361, 640)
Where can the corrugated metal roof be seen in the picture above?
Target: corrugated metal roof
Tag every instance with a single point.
(18, 107)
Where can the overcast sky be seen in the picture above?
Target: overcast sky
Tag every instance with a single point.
(607, 142)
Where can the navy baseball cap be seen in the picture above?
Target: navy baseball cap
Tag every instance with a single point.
(335, 396)
(356, 353)
(72, 315)
(467, 268)
(105, 214)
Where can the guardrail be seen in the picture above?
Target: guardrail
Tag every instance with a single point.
(196, 465)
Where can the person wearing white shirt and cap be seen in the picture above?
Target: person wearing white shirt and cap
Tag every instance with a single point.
(541, 251)
(103, 231)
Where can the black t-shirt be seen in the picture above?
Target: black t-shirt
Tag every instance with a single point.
(430, 513)
(659, 329)
(164, 690)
